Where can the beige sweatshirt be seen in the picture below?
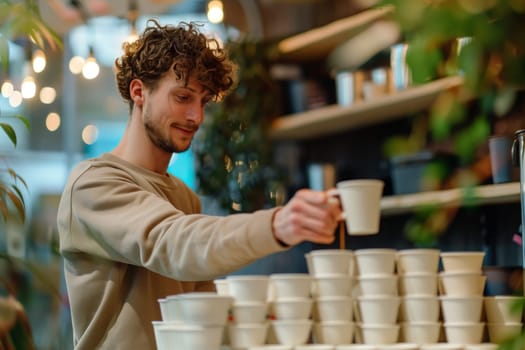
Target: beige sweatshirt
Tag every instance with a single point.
(130, 236)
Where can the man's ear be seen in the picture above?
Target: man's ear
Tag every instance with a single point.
(136, 90)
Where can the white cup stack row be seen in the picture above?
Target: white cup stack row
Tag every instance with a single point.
(366, 299)
(402, 297)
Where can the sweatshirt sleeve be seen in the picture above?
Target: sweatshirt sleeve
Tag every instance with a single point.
(114, 218)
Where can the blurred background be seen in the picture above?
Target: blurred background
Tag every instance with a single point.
(342, 65)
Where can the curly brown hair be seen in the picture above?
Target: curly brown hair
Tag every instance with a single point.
(181, 48)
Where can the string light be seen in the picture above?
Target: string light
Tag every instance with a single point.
(28, 88)
(89, 134)
(90, 69)
(47, 95)
(7, 88)
(75, 64)
(39, 61)
(215, 11)
(15, 99)
(53, 121)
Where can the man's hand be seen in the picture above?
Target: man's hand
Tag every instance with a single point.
(308, 216)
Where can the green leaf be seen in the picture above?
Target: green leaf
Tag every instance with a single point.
(423, 60)
(24, 120)
(23, 19)
(10, 132)
(17, 178)
(472, 64)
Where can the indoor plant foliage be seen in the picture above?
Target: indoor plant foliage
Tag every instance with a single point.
(232, 149)
(484, 42)
(19, 21)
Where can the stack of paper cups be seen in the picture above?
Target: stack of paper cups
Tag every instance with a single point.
(290, 308)
(332, 272)
(378, 299)
(461, 285)
(249, 323)
(419, 314)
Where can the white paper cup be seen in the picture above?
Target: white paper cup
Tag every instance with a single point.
(244, 335)
(291, 285)
(291, 308)
(465, 261)
(420, 332)
(378, 309)
(199, 308)
(384, 284)
(418, 261)
(500, 332)
(464, 332)
(462, 283)
(333, 332)
(164, 312)
(379, 334)
(322, 262)
(249, 287)
(249, 311)
(336, 308)
(501, 309)
(417, 283)
(195, 337)
(419, 308)
(221, 285)
(375, 261)
(291, 332)
(458, 309)
(361, 202)
(332, 285)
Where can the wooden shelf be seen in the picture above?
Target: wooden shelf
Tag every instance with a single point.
(326, 120)
(319, 42)
(485, 194)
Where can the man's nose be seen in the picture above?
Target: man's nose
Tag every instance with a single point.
(195, 114)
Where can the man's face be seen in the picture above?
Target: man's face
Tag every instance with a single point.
(173, 112)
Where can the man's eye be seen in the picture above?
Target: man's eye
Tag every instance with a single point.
(182, 98)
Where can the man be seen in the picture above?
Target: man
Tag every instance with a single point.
(130, 233)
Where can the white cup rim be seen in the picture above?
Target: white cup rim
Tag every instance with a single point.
(360, 182)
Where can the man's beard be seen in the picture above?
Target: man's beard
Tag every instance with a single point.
(155, 135)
